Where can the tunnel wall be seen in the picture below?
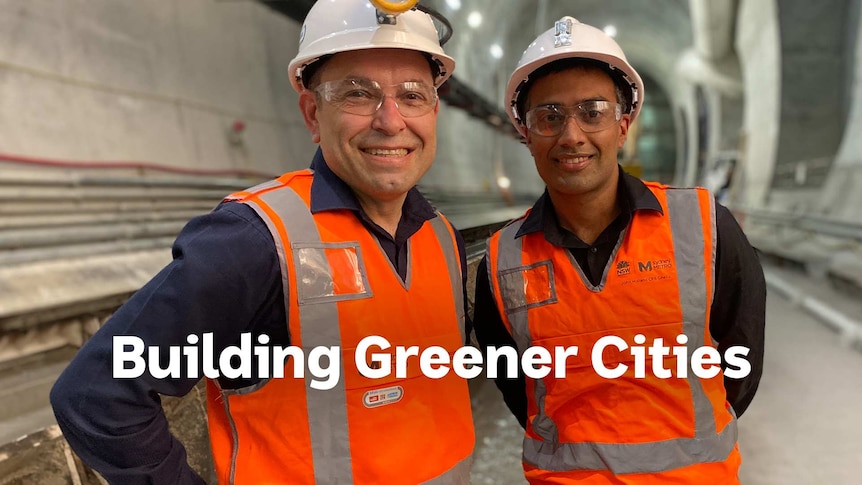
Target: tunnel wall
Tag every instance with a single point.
(757, 42)
(150, 80)
(813, 94)
(163, 81)
(842, 194)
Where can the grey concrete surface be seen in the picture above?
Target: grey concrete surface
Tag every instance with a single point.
(497, 457)
(152, 80)
(804, 426)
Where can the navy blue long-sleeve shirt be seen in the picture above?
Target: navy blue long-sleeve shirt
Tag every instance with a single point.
(738, 312)
(224, 279)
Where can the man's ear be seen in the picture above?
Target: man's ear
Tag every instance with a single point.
(625, 123)
(527, 139)
(308, 108)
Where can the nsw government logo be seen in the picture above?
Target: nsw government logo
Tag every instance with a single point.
(623, 268)
(381, 397)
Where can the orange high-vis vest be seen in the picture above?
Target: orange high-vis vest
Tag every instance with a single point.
(339, 287)
(587, 429)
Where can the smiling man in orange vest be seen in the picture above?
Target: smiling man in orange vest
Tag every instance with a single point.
(316, 260)
(611, 265)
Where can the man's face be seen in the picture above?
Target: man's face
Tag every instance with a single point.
(574, 162)
(382, 155)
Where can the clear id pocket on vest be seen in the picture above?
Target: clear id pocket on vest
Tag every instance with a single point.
(329, 272)
(527, 287)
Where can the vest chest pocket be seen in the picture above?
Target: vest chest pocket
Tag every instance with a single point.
(327, 272)
(528, 287)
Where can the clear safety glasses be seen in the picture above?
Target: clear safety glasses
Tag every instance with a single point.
(591, 116)
(365, 97)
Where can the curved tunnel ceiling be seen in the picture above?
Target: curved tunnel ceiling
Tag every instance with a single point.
(653, 34)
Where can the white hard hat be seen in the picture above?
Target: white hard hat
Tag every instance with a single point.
(334, 26)
(571, 39)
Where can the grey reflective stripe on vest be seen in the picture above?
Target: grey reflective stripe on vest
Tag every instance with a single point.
(453, 265)
(542, 424)
(509, 258)
(457, 475)
(319, 326)
(257, 188)
(687, 228)
(707, 445)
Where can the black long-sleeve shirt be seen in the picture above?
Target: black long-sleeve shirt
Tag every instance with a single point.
(738, 312)
(224, 279)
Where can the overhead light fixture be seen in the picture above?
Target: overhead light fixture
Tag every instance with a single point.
(496, 51)
(454, 4)
(611, 30)
(474, 19)
(503, 182)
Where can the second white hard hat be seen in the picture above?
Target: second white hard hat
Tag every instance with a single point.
(571, 39)
(334, 26)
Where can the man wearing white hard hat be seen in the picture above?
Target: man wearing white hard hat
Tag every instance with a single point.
(314, 261)
(656, 288)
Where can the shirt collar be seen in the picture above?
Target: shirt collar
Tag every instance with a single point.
(631, 189)
(329, 192)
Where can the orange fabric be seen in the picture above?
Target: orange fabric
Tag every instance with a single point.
(427, 432)
(640, 296)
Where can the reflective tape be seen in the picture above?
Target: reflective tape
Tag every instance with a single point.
(319, 326)
(654, 457)
(457, 475)
(509, 258)
(453, 265)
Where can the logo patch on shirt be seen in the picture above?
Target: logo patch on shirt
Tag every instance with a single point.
(623, 268)
(648, 271)
(381, 397)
